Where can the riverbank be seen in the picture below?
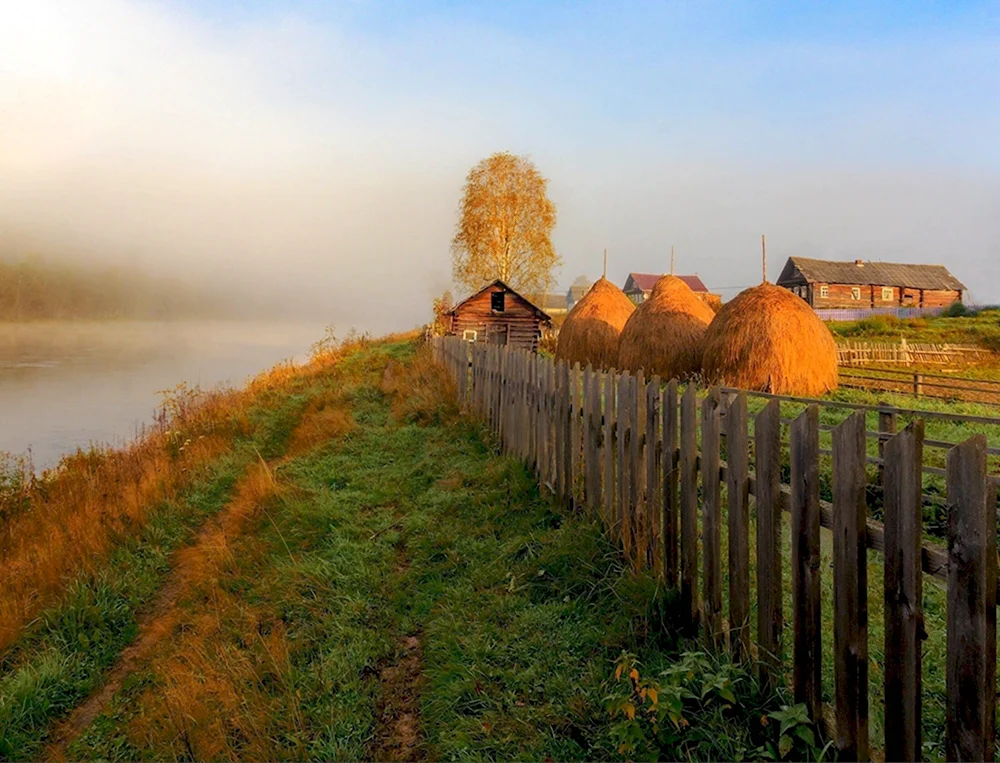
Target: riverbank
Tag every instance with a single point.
(359, 575)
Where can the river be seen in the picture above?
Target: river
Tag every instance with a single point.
(65, 386)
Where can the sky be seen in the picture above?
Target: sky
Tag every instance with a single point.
(318, 149)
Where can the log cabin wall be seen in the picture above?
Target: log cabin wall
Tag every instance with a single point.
(518, 325)
(844, 296)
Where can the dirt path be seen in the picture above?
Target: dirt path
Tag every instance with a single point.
(398, 734)
(189, 568)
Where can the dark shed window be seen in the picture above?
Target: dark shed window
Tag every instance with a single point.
(496, 301)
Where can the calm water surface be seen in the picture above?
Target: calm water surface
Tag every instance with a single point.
(65, 386)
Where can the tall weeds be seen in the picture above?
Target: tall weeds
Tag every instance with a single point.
(68, 520)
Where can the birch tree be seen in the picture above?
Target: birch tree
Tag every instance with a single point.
(505, 226)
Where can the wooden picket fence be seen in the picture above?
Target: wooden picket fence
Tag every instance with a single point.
(633, 454)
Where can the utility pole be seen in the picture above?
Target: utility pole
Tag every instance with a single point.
(763, 256)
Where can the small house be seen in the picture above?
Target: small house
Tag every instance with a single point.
(577, 291)
(499, 315)
(827, 284)
(638, 287)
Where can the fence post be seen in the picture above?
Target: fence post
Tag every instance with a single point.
(610, 491)
(566, 434)
(918, 385)
(654, 513)
(739, 525)
(575, 431)
(711, 518)
(972, 573)
(624, 445)
(850, 588)
(589, 441)
(690, 605)
(767, 498)
(670, 479)
(904, 608)
(637, 527)
(805, 559)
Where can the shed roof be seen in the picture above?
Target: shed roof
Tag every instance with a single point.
(872, 273)
(541, 313)
(646, 281)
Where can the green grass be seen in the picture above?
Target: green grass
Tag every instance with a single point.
(400, 528)
(981, 328)
(62, 656)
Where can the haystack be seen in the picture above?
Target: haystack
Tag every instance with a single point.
(769, 339)
(665, 335)
(590, 332)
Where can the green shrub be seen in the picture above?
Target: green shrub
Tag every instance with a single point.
(957, 310)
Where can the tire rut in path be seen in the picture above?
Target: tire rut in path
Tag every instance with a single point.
(398, 734)
(160, 620)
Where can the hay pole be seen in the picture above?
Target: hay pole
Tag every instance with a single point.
(763, 257)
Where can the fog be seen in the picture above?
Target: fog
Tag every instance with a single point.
(316, 162)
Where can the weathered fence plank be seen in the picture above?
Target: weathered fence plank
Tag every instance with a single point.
(767, 497)
(711, 519)
(610, 488)
(624, 448)
(653, 492)
(669, 457)
(904, 607)
(738, 488)
(850, 588)
(690, 604)
(972, 638)
(635, 471)
(807, 652)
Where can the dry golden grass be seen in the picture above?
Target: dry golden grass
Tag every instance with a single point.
(68, 521)
(769, 339)
(665, 334)
(591, 330)
(422, 391)
(223, 665)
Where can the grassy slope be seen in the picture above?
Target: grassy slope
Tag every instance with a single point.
(60, 658)
(981, 329)
(409, 525)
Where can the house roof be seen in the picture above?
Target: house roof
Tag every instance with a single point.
(646, 281)
(577, 291)
(554, 302)
(541, 313)
(872, 273)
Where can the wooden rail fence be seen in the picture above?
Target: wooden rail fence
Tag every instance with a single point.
(862, 353)
(626, 450)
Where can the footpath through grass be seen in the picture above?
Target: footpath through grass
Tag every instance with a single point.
(403, 592)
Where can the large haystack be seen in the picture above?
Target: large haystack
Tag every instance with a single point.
(665, 335)
(769, 339)
(590, 332)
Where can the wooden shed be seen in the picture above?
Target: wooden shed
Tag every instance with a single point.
(861, 284)
(498, 314)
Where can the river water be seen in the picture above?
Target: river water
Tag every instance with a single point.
(65, 386)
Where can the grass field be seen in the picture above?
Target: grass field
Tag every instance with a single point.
(981, 328)
(357, 574)
(360, 576)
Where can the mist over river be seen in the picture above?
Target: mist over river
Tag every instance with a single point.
(64, 386)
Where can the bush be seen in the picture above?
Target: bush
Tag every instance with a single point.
(957, 310)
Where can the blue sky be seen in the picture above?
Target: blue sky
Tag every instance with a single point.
(307, 134)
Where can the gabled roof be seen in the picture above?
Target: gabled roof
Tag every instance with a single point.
(538, 311)
(554, 302)
(646, 281)
(872, 273)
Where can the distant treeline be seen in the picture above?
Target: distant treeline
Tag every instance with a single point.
(34, 288)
